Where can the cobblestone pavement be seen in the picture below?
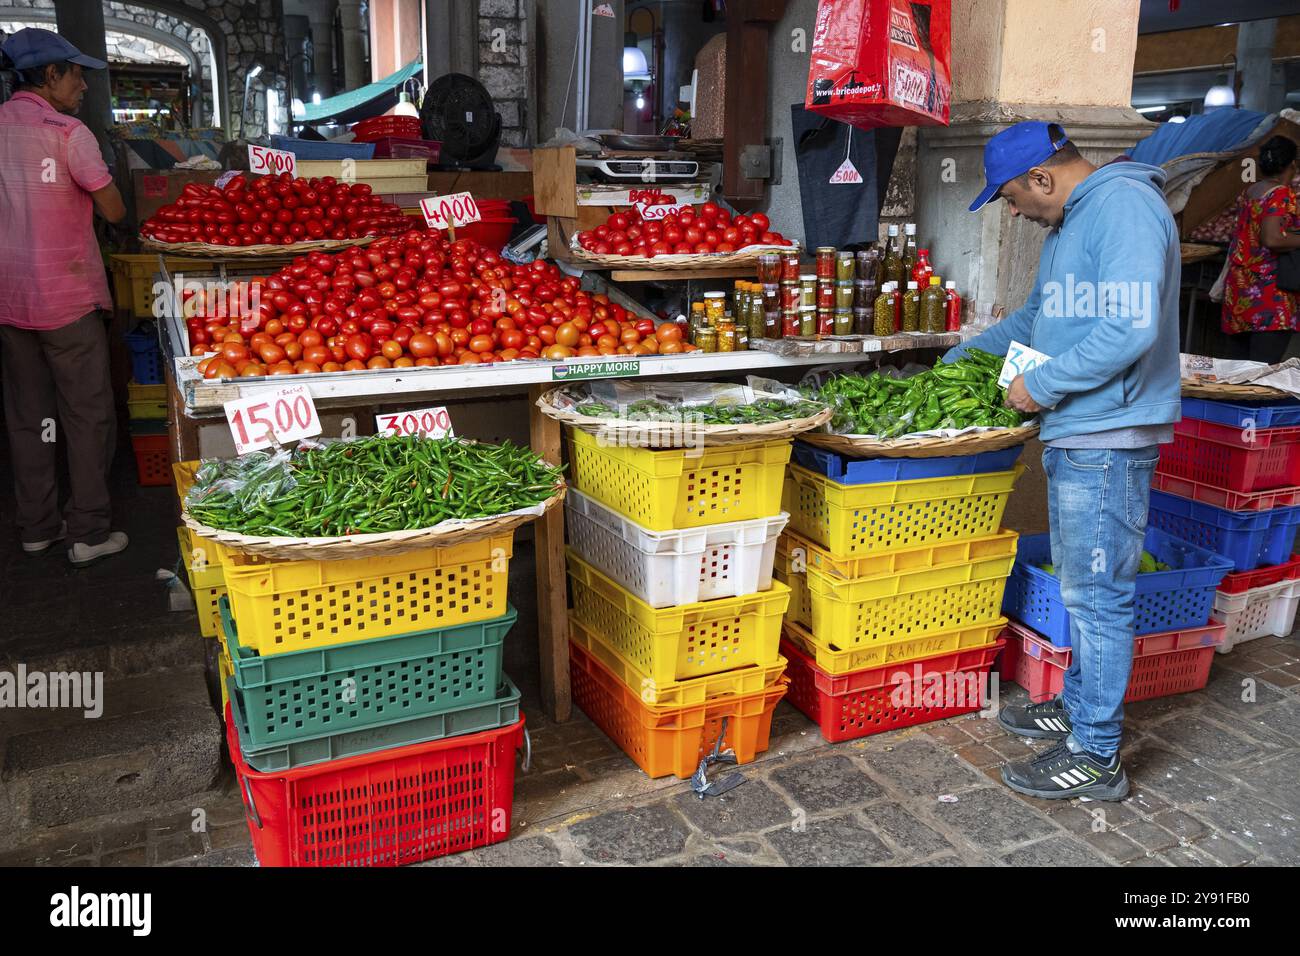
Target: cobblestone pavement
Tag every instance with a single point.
(1213, 772)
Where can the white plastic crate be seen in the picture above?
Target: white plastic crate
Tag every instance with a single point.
(668, 568)
(1270, 609)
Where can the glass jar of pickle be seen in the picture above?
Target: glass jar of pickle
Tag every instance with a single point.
(864, 293)
(843, 321)
(844, 295)
(726, 336)
(790, 267)
(706, 338)
(771, 295)
(844, 267)
(697, 314)
(867, 264)
(789, 295)
(825, 294)
(807, 291)
(754, 317)
(808, 321)
(825, 321)
(742, 338)
(825, 262)
(863, 320)
(789, 323)
(715, 306)
(769, 268)
(772, 324)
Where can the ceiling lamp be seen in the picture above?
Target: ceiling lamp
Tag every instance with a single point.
(1219, 95)
(635, 66)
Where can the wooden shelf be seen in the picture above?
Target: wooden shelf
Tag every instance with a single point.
(686, 273)
(840, 345)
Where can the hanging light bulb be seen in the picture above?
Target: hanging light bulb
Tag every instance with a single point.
(404, 105)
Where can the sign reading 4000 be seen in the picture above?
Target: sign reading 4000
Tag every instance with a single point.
(457, 209)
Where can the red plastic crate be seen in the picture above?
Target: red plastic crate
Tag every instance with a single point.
(865, 702)
(152, 462)
(1009, 659)
(377, 127)
(1224, 497)
(407, 147)
(1261, 577)
(386, 808)
(1171, 662)
(1231, 458)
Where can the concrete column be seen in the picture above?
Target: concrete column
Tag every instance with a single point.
(295, 31)
(1255, 63)
(321, 16)
(82, 25)
(450, 38)
(355, 73)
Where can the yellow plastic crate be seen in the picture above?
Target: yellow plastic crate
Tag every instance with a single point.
(678, 643)
(965, 589)
(183, 473)
(283, 606)
(147, 402)
(205, 603)
(853, 520)
(784, 570)
(133, 279)
(194, 556)
(680, 488)
(697, 690)
(226, 670)
(835, 659)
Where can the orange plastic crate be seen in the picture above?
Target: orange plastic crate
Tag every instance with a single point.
(671, 740)
(152, 463)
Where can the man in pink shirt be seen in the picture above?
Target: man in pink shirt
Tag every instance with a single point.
(53, 344)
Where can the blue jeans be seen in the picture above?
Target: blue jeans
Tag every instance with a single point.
(1097, 508)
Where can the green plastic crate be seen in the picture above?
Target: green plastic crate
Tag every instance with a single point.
(345, 687)
(455, 722)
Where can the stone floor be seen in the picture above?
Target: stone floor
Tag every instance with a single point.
(1213, 776)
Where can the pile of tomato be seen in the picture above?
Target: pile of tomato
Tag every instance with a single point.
(416, 300)
(276, 210)
(705, 229)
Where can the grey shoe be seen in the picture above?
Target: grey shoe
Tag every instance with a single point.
(40, 547)
(83, 554)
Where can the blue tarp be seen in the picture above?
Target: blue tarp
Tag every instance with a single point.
(1218, 131)
(369, 100)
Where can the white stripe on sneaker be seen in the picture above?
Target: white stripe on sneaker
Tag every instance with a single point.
(1062, 784)
(1056, 722)
(1079, 775)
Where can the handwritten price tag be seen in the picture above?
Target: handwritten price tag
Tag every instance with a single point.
(429, 422)
(262, 159)
(1020, 359)
(264, 420)
(652, 211)
(458, 209)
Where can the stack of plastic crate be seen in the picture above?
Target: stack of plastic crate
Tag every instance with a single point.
(147, 406)
(1175, 638)
(897, 568)
(676, 620)
(1230, 482)
(368, 716)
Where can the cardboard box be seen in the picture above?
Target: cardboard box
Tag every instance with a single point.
(155, 188)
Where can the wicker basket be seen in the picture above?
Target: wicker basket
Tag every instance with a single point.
(251, 252)
(636, 434)
(747, 256)
(1223, 391)
(368, 545)
(970, 443)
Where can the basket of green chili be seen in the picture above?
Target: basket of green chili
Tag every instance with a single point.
(380, 495)
(661, 415)
(951, 409)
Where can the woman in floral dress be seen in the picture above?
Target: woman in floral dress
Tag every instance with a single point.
(1257, 315)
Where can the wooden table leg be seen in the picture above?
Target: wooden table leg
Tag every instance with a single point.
(184, 431)
(552, 610)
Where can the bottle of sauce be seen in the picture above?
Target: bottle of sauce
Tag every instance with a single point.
(884, 311)
(909, 253)
(893, 256)
(934, 307)
(922, 272)
(898, 293)
(954, 308)
(912, 308)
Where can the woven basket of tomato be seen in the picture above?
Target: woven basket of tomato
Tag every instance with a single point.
(695, 236)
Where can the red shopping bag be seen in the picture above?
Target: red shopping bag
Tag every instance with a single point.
(882, 62)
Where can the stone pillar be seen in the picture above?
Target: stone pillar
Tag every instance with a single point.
(295, 32)
(1255, 63)
(82, 25)
(321, 15)
(355, 72)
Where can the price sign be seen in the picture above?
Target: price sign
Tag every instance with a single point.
(429, 422)
(651, 212)
(263, 159)
(263, 420)
(457, 209)
(1020, 359)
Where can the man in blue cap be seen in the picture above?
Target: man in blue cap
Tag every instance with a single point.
(53, 291)
(1104, 310)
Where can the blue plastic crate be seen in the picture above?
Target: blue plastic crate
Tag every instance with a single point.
(315, 149)
(1164, 601)
(1250, 539)
(867, 471)
(146, 356)
(1241, 414)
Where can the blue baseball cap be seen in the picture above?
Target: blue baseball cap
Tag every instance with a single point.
(31, 47)
(1014, 152)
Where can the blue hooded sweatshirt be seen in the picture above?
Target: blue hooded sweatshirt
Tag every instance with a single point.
(1104, 307)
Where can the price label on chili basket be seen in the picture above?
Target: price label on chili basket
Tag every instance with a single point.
(429, 422)
(264, 420)
(458, 209)
(1020, 359)
(263, 159)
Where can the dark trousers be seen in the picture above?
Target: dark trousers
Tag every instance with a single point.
(1266, 347)
(57, 390)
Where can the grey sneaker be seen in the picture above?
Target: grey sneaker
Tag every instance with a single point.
(1046, 720)
(40, 547)
(83, 554)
